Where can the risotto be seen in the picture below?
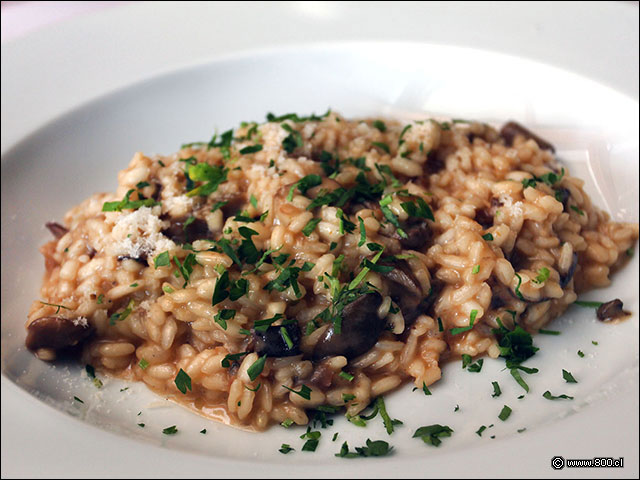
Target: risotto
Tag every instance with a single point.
(320, 261)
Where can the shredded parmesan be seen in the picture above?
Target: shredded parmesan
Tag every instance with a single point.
(137, 233)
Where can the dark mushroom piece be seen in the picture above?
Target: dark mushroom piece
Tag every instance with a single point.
(612, 310)
(406, 292)
(271, 342)
(566, 278)
(563, 195)
(512, 129)
(57, 333)
(361, 328)
(418, 234)
(486, 216)
(182, 232)
(57, 230)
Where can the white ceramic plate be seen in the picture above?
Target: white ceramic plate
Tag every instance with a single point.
(594, 129)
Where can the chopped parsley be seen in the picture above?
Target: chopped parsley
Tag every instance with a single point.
(293, 140)
(548, 396)
(346, 376)
(505, 413)
(54, 305)
(480, 430)
(225, 288)
(77, 399)
(580, 353)
(488, 237)
(549, 332)
(440, 326)
(126, 203)
(375, 448)
(185, 269)
(218, 205)
(496, 390)
(382, 146)
(143, 364)
(251, 149)
(515, 345)
(222, 316)
(347, 397)
(577, 210)
(304, 184)
(256, 368)
(518, 287)
(543, 275)
(312, 443)
(588, 304)
(183, 381)
(310, 226)
(121, 316)
(390, 216)
(285, 448)
(476, 367)
(418, 208)
(432, 434)
(386, 419)
(568, 377)
(380, 125)
(100, 299)
(305, 392)
(288, 278)
(286, 423)
(518, 378)
(172, 430)
(472, 318)
(213, 176)
(232, 357)
(285, 336)
(203, 431)
(475, 270)
(295, 118)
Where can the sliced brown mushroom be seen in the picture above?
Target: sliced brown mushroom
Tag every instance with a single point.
(418, 234)
(182, 232)
(360, 330)
(566, 278)
(272, 342)
(405, 290)
(612, 310)
(57, 333)
(56, 229)
(513, 129)
(486, 216)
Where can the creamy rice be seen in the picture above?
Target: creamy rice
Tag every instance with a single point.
(370, 270)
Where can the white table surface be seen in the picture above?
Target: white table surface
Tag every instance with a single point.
(122, 45)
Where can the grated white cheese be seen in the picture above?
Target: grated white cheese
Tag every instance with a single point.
(178, 206)
(137, 233)
(80, 321)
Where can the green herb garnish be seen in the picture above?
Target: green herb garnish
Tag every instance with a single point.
(548, 396)
(126, 203)
(183, 381)
(432, 434)
(496, 389)
(472, 318)
(256, 368)
(568, 377)
(505, 413)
